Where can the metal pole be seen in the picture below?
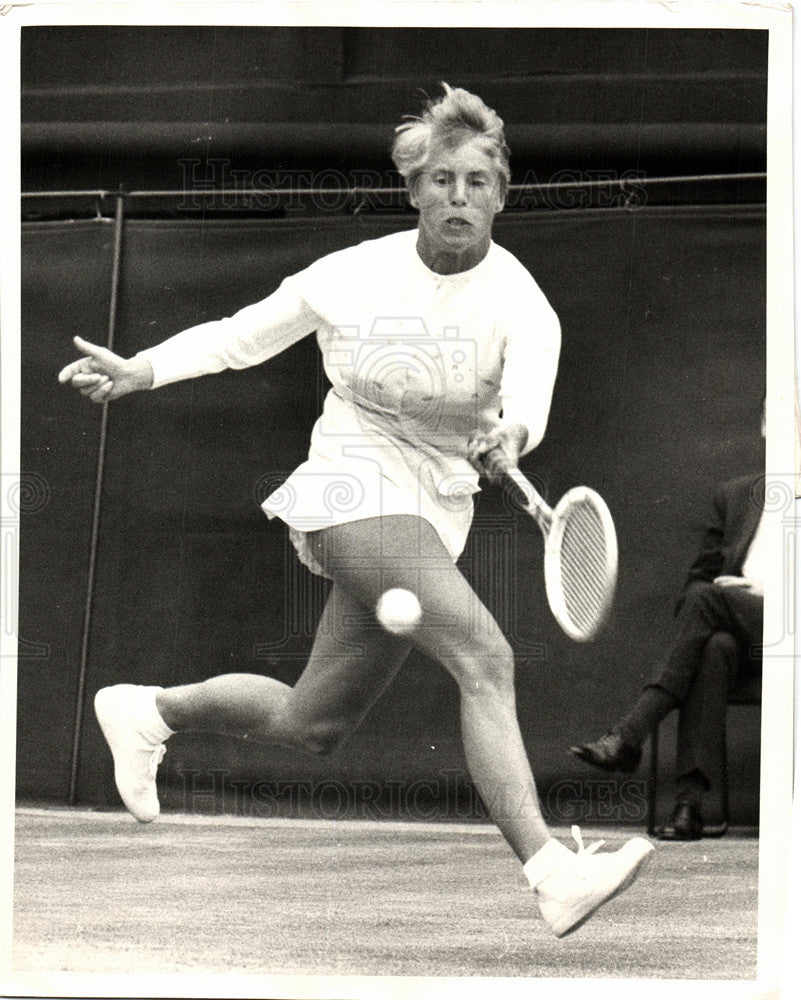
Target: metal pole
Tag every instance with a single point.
(90, 583)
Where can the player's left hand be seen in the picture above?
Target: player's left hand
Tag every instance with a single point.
(493, 452)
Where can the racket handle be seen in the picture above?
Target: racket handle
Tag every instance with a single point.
(529, 499)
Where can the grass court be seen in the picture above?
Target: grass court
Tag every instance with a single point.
(96, 892)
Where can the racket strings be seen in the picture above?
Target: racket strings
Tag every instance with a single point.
(585, 566)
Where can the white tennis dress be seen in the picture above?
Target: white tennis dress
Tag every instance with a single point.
(418, 361)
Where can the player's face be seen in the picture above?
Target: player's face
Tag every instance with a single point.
(458, 195)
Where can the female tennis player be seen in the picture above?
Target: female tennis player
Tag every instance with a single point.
(442, 353)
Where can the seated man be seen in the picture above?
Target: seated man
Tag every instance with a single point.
(723, 594)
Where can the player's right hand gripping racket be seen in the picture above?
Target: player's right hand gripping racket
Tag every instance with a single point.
(580, 554)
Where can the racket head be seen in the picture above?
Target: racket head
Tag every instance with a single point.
(581, 563)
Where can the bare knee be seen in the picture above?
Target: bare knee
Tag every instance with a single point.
(319, 737)
(485, 668)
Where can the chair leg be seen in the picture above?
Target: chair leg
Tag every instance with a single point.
(651, 794)
(721, 828)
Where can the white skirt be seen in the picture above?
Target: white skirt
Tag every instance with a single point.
(323, 492)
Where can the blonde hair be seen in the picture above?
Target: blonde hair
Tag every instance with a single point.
(452, 118)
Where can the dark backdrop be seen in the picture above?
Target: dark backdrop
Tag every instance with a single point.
(662, 373)
(658, 397)
(145, 107)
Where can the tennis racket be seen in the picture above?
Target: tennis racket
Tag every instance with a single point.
(580, 554)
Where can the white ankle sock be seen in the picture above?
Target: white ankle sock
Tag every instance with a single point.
(146, 717)
(548, 858)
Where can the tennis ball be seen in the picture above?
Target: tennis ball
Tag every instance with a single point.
(398, 610)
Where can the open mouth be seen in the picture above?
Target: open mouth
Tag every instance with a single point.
(455, 222)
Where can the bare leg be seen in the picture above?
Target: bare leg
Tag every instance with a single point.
(354, 659)
(368, 557)
(351, 663)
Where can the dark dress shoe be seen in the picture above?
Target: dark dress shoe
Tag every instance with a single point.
(610, 752)
(687, 823)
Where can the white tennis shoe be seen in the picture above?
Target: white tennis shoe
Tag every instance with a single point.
(136, 759)
(573, 886)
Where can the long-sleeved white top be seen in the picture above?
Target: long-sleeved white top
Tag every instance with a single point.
(495, 312)
(417, 360)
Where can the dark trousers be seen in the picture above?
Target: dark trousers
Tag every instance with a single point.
(718, 634)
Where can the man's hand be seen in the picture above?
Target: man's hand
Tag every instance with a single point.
(493, 452)
(103, 375)
(754, 586)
